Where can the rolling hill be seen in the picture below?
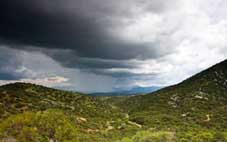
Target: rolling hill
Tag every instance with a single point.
(194, 110)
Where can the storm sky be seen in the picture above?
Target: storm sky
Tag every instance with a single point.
(105, 45)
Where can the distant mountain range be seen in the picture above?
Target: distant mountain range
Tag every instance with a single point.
(133, 91)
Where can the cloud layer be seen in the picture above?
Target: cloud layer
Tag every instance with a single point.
(123, 43)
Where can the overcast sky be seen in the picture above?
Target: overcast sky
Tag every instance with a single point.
(104, 45)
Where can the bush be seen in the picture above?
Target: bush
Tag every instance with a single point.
(139, 120)
(151, 136)
(202, 136)
(50, 125)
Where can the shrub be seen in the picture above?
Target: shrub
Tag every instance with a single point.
(50, 125)
(151, 136)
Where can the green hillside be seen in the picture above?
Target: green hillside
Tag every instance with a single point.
(192, 111)
(92, 117)
(197, 106)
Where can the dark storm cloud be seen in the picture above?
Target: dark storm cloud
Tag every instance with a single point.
(121, 74)
(107, 67)
(27, 23)
(78, 33)
(79, 25)
(70, 58)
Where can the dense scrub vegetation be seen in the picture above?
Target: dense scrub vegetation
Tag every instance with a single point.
(192, 111)
(51, 125)
(95, 119)
(169, 136)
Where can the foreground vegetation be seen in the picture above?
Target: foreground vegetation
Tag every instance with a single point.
(192, 111)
